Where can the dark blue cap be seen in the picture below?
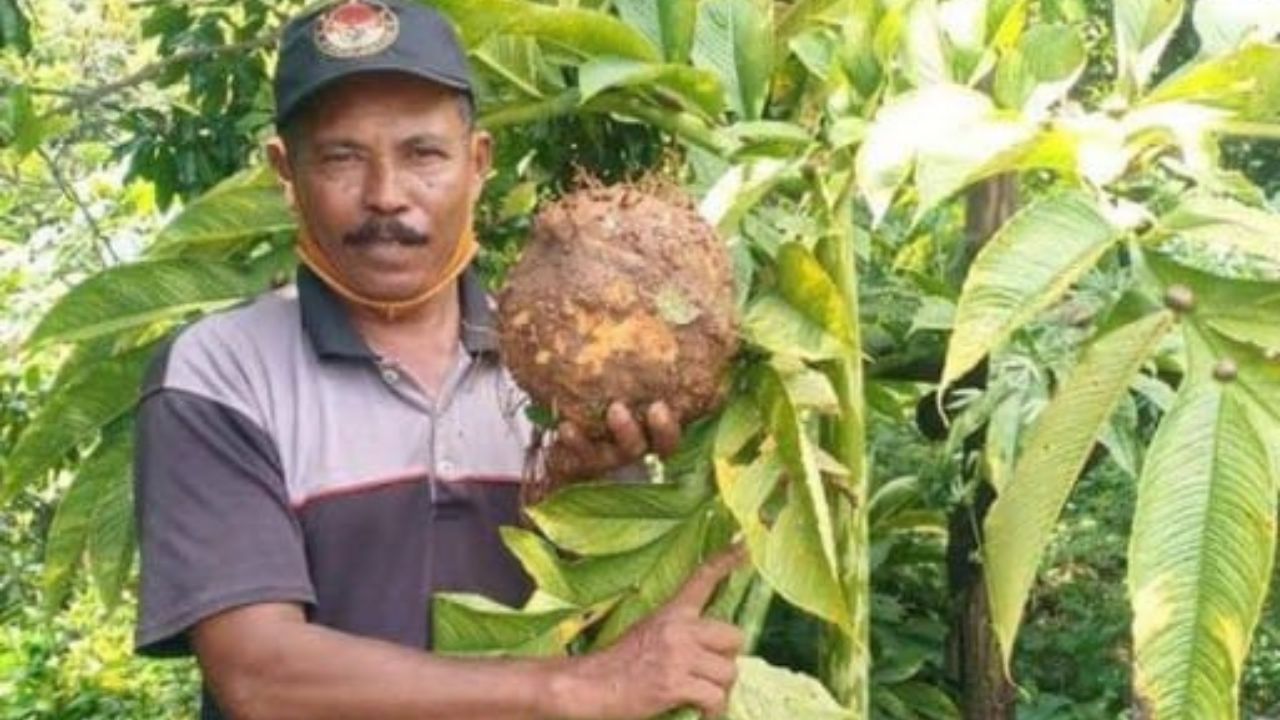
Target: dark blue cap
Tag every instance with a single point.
(345, 38)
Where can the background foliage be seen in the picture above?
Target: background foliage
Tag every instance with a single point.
(116, 116)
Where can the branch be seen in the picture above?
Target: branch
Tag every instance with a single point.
(70, 192)
(87, 98)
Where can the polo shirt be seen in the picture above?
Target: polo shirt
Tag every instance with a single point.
(280, 459)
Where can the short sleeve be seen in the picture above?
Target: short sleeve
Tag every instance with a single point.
(215, 527)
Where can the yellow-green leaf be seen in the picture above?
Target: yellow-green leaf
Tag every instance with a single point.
(1020, 523)
(734, 39)
(1029, 264)
(1201, 550)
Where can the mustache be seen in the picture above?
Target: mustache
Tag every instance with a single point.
(384, 230)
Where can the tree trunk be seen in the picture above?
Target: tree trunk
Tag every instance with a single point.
(973, 655)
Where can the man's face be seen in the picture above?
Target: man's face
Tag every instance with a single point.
(385, 180)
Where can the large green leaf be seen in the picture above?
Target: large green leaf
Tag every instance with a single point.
(1048, 61)
(787, 526)
(734, 39)
(1219, 223)
(766, 692)
(1143, 28)
(96, 513)
(133, 296)
(587, 32)
(1201, 549)
(698, 88)
(1020, 523)
(682, 553)
(590, 580)
(1246, 81)
(609, 518)
(112, 540)
(788, 552)
(474, 625)
(240, 209)
(1029, 264)
(72, 415)
(669, 24)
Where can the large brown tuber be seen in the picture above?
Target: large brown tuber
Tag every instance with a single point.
(623, 294)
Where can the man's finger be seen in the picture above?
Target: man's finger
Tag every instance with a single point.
(571, 438)
(719, 637)
(720, 670)
(702, 584)
(664, 428)
(708, 697)
(627, 433)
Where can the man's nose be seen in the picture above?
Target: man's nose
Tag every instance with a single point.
(384, 190)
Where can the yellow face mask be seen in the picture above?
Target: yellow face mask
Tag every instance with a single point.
(314, 257)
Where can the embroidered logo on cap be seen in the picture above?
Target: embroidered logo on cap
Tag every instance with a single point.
(356, 29)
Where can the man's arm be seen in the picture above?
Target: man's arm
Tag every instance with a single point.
(266, 661)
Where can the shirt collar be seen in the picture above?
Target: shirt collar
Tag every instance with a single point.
(327, 322)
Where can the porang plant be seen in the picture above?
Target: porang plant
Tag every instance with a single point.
(810, 131)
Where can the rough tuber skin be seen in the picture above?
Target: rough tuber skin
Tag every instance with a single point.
(621, 294)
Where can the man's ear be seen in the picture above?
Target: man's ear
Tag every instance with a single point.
(278, 156)
(481, 162)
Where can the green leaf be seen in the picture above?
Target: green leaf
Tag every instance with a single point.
(681, 554)
(474, 625)
(1219, 223)
(788, 553)
(1050, 59)
(1225, 25)
(112, 540)
(669, 24)
(1201, 550)
(72, 415)
(766, 692)
(587, 32)
(15, 29)
(1143, 28)
(1029, 264)
(804, 284)
(697, 88)
(734, 39)
(1246, 81)
(95, 513)
(741, 188)
(1244, 311)
(778, 326)
(242, 208)
(610, 518)
(132, 296)
(1020, 523)
(588, 581)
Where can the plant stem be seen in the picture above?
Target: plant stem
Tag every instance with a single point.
(846, 658)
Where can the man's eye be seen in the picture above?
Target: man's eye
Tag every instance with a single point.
(427, 153)
(337, 157)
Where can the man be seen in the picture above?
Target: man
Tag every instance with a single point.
(312, 467)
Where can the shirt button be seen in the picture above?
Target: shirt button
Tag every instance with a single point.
(446, 466)
(390, 376)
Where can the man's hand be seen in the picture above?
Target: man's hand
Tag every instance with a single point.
(575, 456)
(672, 659)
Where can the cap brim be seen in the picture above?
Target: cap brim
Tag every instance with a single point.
(323, 83)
